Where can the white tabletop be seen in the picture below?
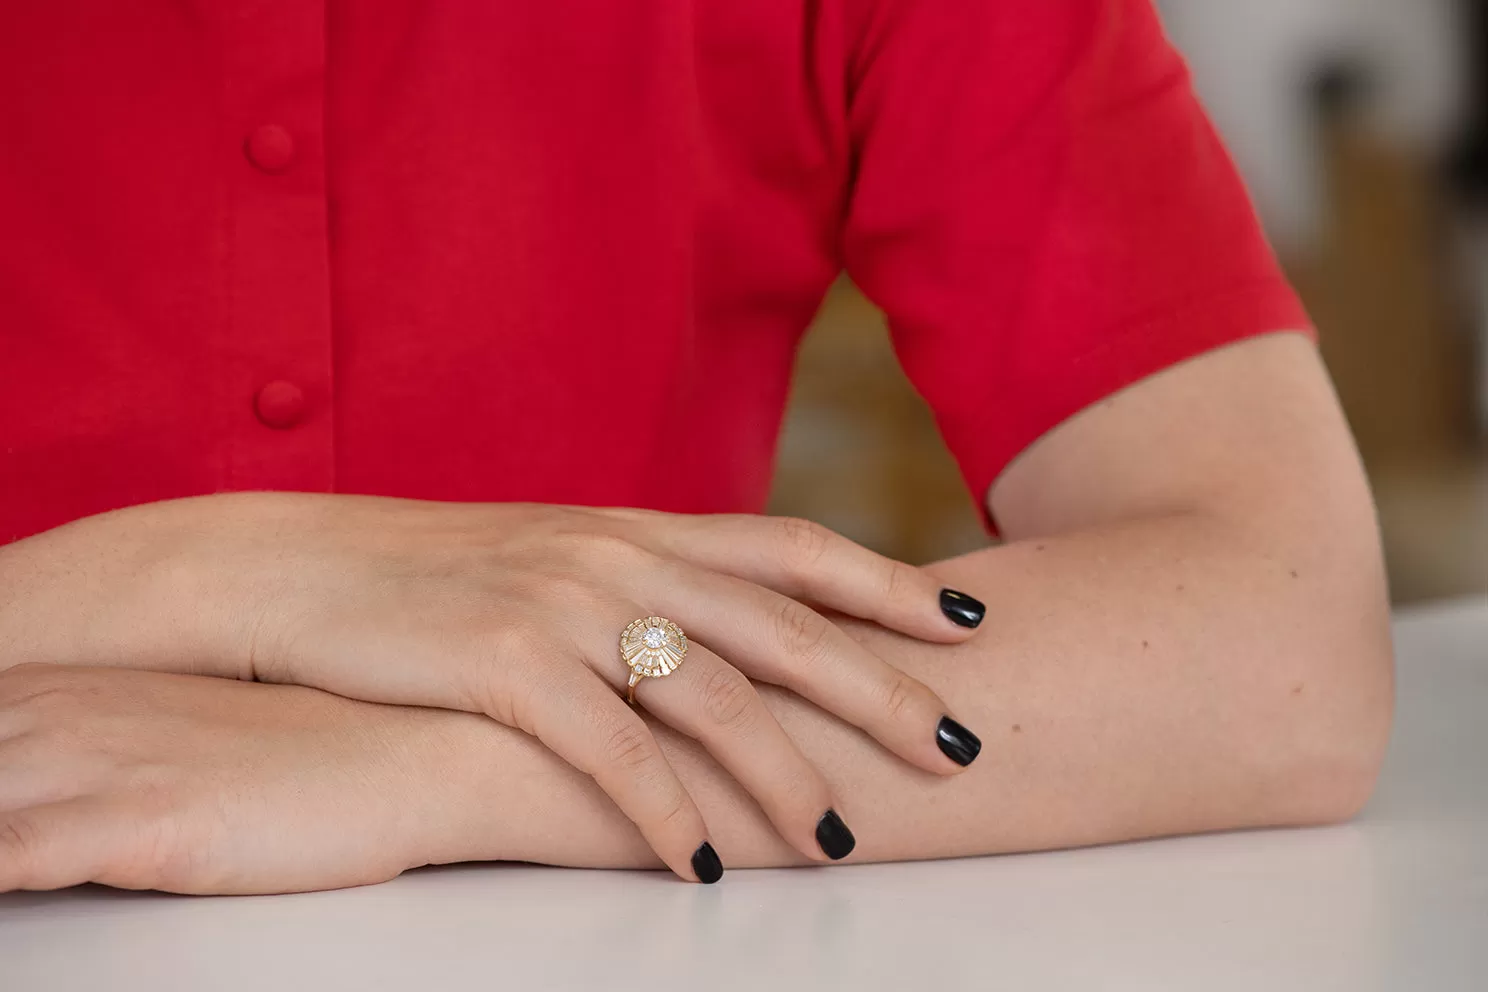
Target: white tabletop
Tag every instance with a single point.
(1396, 900)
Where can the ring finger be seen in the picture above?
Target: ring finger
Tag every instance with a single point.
(711, 701)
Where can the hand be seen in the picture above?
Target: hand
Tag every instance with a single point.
(148, 781)
(515, 611)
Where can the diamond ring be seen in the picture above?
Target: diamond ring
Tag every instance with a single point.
(652, 647)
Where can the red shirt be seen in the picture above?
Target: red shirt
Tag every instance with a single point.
(506, 250)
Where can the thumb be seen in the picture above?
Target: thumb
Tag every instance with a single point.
(60, 844)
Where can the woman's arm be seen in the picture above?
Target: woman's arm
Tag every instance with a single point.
(1188, 631)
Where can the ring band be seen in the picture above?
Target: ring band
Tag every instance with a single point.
(652, 647)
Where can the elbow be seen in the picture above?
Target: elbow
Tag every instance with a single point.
(1336, 730)
(1317, 705)
(1333, 778)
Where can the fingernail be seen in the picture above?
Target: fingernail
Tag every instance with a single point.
(961, 608)
(836, 841)
(705, 864)
(956, 742)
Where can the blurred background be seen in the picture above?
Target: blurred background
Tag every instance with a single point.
(1362, 129)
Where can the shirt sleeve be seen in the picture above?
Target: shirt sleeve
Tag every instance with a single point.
(1043, 210)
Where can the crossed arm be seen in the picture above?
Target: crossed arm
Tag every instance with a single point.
(1187, 631)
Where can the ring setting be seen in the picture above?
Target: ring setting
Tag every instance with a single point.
(652, 647)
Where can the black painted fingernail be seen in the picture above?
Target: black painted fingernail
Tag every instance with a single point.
(705, 864)
(961, 608)
(956, 742)
(836, 841)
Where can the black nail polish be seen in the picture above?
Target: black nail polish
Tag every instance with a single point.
(705, 864)
(956, 742)
(836, 841)
(961, 608)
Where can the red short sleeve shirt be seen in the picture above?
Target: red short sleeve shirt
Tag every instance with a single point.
(503, 250)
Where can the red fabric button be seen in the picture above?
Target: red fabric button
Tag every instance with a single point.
(270, 147)
(280, 404)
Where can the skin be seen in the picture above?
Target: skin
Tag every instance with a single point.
(511, 611)
(1188, 631)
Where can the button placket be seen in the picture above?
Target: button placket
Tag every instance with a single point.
(278, 362)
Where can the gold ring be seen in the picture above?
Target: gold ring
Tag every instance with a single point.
(652, 647)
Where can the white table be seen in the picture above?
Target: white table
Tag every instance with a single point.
(1397, 900)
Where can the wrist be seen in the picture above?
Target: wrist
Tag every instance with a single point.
(482, 791)
(218, 574)
(450, 771)
(145, 587)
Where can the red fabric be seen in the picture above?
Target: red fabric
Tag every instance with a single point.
(501, 250)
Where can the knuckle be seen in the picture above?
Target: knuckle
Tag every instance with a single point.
(28, 681)
(678, 815)
(565, 551)
(803, 633)
(539, 543)
(802, 794)
(511, 643)
(899, 581)
(727, 697)
(627, 747)
(613, 551)
(567, 589)
(901, 696)
(566, 536)
(53, 710)
(43, 746)
(629, 515)
(18, 838)
(49, 704)
(802, 543)
(488, 671)
(518, 708)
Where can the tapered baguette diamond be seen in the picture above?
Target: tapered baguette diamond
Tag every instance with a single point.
(652, 647)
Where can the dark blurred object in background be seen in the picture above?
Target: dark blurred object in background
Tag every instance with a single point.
(1469, 163)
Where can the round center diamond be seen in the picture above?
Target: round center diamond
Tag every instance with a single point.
(654, 637)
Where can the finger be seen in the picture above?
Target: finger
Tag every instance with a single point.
(775, 639)
(713, 702)
(584, 722)
(58, 845)
(34, 772)
(808, 562)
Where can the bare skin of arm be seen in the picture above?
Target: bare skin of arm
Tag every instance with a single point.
(1187, 631)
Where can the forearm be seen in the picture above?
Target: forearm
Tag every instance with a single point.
(1136, 679)
(151, 587)
(1170, 675)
